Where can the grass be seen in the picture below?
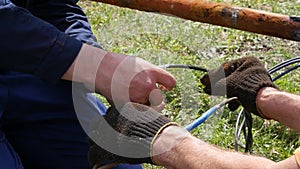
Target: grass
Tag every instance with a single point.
(167, 40)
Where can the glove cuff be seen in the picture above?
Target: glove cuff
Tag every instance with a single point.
(134, 130)
(251, 85)
(258, 112)
(157, 134)
(141, 128)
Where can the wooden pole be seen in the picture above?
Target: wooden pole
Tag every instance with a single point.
(246, 19)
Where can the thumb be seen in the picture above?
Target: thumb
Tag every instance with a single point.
(220, 88)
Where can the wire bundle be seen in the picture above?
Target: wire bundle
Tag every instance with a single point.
(244, 119)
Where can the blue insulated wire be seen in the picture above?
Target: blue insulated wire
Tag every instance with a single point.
(202, 118)
(208, 113)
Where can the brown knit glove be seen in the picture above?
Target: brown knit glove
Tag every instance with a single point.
(241, 78)
(125, 135)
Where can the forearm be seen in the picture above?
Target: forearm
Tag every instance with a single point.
(281, 106)
(190, 152)
(85, 67)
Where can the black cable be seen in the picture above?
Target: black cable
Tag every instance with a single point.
(284, 64)
(286, 72)
(247, 121)
(246, 128)
(248, 135)
(238, 130)
(245, 125)
(184, 67)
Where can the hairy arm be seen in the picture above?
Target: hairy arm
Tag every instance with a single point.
(186, 151)
(190, 152)
(281, 106)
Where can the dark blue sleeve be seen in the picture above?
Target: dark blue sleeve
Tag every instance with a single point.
(31, 45)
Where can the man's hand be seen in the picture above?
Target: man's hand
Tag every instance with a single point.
(131, 79)
(125, 135)
(241, 78)
(120, 78)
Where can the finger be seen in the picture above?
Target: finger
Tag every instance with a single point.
(165, 79)
(207, 90)
(162, 88)
(220, 88)
(205, 80)
(155, 97)
(212, 77)
(231, 66)
(160, 107)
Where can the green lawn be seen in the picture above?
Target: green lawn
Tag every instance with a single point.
(163, 40)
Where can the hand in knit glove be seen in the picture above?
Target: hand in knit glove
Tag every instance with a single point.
(125, 135)
(241, 78)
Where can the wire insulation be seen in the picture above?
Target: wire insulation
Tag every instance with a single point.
(208, 113)
(182, 66)
(244, 119)
(247, 118)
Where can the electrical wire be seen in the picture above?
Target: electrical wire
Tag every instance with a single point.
(286, 72)
(284, 64)
(182, 66)
(244, 119)
(208, 113)
(245, 125)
